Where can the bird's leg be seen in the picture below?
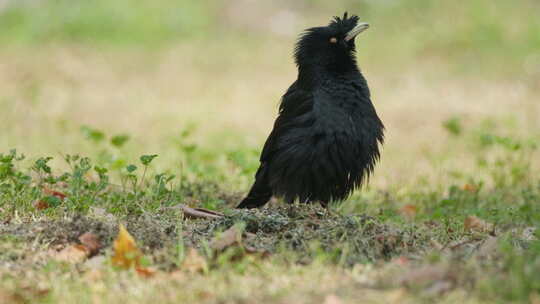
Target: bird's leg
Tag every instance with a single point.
(327, 210)
(292, 207)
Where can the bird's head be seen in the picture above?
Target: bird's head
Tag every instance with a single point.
(330, 47)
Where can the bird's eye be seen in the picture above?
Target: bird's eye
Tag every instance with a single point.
(333, 40)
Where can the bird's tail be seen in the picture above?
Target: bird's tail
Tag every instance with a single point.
(260, 192)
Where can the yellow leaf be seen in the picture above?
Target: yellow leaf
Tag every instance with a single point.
(126, 254)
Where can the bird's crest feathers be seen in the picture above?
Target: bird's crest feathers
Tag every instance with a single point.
(344, 22)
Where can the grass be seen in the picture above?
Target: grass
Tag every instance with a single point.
(130, 110)
(371, 244)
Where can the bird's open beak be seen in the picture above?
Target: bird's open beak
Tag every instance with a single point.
(360, 27)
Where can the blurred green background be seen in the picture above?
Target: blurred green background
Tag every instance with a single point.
(480, 34)
(202, 79)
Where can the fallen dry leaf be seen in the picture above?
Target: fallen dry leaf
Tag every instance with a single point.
(126, 254)
(145, 272)
(409, 211)
(91, 242)
(58, 194)
(258, 252)
(72, 254)
(195, 213)
(41, 205)
(193, 262)
(232, 236)
(473, 223)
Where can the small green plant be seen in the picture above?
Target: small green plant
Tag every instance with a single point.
(119, 141)
(110, 152)
(12, 181)
(93, 134)
(453, 126)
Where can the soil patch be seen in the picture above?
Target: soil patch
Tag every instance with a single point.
(304, 230)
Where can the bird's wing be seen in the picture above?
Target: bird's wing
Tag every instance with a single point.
(294, 111)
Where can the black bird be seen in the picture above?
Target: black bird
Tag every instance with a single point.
(325, 141)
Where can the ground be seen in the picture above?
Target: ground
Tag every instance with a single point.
(139, 119)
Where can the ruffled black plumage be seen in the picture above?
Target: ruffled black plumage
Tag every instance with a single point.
(325, 141)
